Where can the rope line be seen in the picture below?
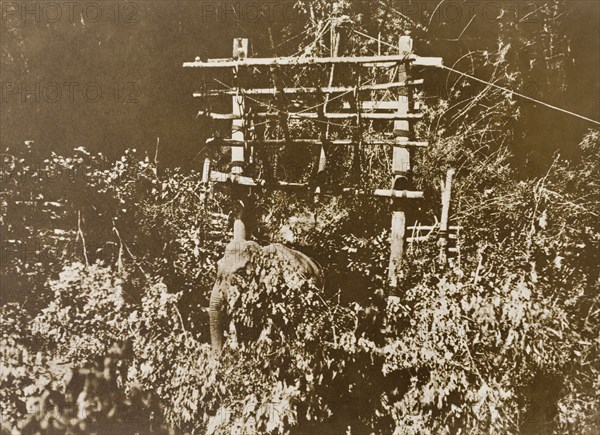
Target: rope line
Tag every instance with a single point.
(535, 100)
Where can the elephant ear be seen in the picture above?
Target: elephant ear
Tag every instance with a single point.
(251, 252)
(237, 255)
(280, 258)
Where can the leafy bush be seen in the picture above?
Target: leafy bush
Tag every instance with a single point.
(466, 348)
(91, 400)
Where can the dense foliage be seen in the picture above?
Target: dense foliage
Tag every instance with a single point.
(107, 267)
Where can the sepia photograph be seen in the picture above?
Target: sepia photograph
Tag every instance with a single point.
(299, 217)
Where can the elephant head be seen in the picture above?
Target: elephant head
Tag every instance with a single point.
(240, 260)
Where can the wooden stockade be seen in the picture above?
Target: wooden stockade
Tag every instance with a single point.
(402, 112)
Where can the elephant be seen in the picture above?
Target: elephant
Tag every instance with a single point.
(240, 258)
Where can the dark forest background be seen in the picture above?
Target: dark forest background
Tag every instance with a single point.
(133, 52)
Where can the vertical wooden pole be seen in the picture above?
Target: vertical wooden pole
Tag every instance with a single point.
(322, 159)
(240, 231)
(271, 168)
(400, 169)
(396, 246)
(446, 195)
(205, 180)
(358, 134)
(238, 157)
(240, 48)
(402, 128)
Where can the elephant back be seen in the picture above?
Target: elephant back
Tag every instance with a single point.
(296, 262)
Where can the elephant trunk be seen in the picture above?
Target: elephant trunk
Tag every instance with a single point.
(216, 318)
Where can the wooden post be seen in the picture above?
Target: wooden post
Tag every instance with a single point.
(270, 169)
(240, 232)
(400, 168)
(240, 194)
(443, 237)
(356, 105)
(205, 180)
(240, 49)
(396, 246)
(401, 156)
(322, 159)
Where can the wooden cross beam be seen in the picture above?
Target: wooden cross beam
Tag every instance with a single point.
(242, 180)
(306, 90)
(312, 115)
(309, 142)
(451, 236)
(433, 227)
(388, 193)
(385, 61)
(376, 105)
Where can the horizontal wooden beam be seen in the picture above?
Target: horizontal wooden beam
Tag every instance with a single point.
(306, 61)
(427, 237)
(315, 115)
(432, 227)
(416, 61)
(386, 193)
(377, 105)
(307, 90)
(308, 142)
(417, 239)
(223, 177)
(373, 105)
(398, 193)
